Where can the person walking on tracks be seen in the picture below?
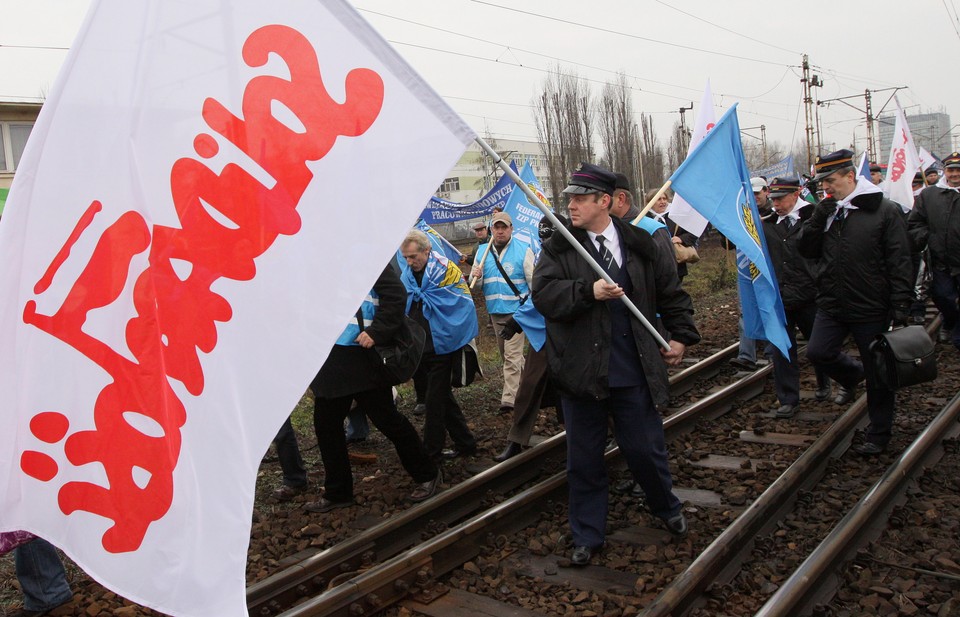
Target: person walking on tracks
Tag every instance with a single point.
(863, 279)
(605, 363)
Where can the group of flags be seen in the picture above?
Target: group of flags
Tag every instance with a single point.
(165, 303)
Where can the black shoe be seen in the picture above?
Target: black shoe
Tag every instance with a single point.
(744, 364)
(845, 396)
(356, 440)
(419, 409)
(945, 335)
(824, 393)
(918, 320)
(868, 449)
(785, 411)
(426, 490)
(458, 453)
(505, 409)
(325, 505)
(512, 449)
(676, 524)
(581, 555)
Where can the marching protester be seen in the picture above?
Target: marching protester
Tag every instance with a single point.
(747, 353)
(42, 578)
(506, 275)
(482, 233)
(860, 240)
(876, 174)
(604, 361)
(795, 276)
(352, 372)
(535, 379)
(934, 223)
(931, 176)
(439, 300)
(291, 464)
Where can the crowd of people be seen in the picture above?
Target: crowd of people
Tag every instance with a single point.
(850, 263)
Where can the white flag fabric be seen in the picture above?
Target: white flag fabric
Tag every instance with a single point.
(209, 193)
(903, 162)
(926, 159)
(681, 212)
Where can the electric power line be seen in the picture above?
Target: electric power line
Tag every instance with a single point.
(710, 23)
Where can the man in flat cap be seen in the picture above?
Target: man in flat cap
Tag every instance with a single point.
(864, 279)
(876, 174)
(605, 363)
(931, 176)
(935, 223)
(482, 233)
(795, 275)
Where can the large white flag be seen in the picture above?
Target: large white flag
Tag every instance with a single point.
(207, 196)
(903, 162)
(681, 212)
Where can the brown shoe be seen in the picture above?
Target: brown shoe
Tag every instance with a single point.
(426, 490)
(325, 505)
(287, 493)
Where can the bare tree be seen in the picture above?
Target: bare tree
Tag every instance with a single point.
(651, 156)
(562, 113)
(619, 131)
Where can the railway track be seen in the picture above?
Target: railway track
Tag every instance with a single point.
(407, 557)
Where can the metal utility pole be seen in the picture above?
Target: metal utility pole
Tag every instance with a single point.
(683, 127)
(811, 120)
(871, 144)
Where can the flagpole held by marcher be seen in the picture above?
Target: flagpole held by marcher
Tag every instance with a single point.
(479, 265)
(558, 226)
(646, 208)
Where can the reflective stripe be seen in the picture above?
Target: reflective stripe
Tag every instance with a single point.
(500, 298)
(367, 310)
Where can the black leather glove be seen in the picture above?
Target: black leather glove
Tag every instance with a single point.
(827, 206)
(901, 317)
(509, 329)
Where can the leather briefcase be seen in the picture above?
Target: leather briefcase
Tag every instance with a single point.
(904, 357)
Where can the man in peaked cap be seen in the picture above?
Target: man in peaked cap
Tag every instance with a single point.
(795, 276)
(606, 364)
(860, 240)
(935, 223)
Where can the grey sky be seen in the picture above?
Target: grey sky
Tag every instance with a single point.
(488, 61)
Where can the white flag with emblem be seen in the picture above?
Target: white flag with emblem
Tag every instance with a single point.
(209, 192)
(903, 162)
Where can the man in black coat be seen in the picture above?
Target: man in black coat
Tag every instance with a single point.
(605, 363)
(863, 279)
(797, 289)
(935, 223)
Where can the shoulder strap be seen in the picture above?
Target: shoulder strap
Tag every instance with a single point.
(360, 319)
(513, 288)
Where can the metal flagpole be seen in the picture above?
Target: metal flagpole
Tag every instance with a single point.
(558, 226)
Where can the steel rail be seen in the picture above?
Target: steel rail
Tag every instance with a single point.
(315, 573)
(414, 571)
(811, 582)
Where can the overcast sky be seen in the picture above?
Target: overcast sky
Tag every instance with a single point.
(488, 58)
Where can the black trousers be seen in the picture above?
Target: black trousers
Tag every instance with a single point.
(786, 372)
(443, 413)
(826, 350)
(328, 415)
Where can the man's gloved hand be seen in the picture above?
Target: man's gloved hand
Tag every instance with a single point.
(509, 329)
(901, 317)
(827, 206)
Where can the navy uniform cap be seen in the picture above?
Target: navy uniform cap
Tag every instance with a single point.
(827, 164)
(784, 186)
(952, 160)
(588, 178)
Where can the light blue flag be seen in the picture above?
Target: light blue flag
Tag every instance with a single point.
(526, 216)
(714, 180)
(440, 244)
(447, 302)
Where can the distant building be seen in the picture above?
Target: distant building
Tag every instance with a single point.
(475, 174)
(16, 122)
(929, 130)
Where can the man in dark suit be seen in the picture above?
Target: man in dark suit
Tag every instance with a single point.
(795, 276)
(605, 363)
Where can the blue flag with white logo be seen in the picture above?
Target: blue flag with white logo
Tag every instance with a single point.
(714, 180)
(525, 215)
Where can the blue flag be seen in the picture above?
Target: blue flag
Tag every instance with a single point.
(447, 303)
(443, 211)
(525, 215)
(714, 180)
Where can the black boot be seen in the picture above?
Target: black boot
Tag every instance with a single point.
(512, 449)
